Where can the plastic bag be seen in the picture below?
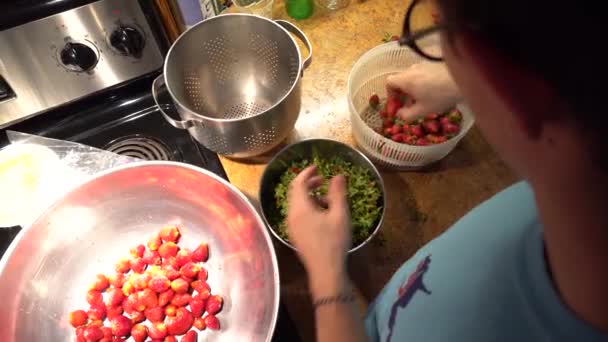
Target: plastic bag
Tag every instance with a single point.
(35, 171)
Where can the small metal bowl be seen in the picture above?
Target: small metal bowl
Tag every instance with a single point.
(324, 148)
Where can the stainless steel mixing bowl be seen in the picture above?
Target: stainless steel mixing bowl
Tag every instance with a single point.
(324, 148)
(46, 271)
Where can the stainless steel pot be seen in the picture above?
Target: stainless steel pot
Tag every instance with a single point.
(48, 268)
(235, 82)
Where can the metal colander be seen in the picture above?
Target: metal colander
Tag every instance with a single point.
(235, 81)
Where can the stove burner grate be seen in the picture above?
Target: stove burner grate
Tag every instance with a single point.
(141, 147)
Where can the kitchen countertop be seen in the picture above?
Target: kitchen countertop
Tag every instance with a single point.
(421, 204)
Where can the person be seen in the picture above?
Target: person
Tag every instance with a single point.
(529, 264)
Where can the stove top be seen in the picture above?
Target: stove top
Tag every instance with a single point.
(126, 121)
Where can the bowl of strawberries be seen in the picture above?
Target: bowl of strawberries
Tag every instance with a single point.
(380, 133)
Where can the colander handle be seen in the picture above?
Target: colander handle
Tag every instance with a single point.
(298, 33)
(159, 83)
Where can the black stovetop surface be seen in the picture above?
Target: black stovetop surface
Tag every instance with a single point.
(126, 120)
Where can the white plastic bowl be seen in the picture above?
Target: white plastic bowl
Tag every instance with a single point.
(368, 77)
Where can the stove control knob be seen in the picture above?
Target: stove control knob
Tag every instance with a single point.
(128, 41)
(78, 57)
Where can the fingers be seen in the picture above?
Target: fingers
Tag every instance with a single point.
(315, 182)
(299, 187)
(336, 194)
(397, 84)
(409, 114)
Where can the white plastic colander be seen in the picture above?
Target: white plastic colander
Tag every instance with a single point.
(368, 77)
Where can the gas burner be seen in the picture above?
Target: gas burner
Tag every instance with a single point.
(141, 147)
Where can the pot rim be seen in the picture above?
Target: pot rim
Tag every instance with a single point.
(182, 107)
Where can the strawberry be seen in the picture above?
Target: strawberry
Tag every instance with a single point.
(154, 243)
(417, 130)
(139, 332)
(197, 306)
(97, 312)
(101, 283)
(199, 323)
(156, 314)
(388, 122)
(181, 299)
(152, 258)
(138, 251)
(450, 128)
(444, 120)
(117, 279)
(388, 132)
(455, 116)
(123, 265)
(410, 139)
(383, 114)
(148, 298)
(422, 142)
(94, 297)
(137, 317)
(113, 311)
(170, 272)
(168, 249)
(92, 333)
(214, 304)
(212, 322)
(431, 126)
(397, 137)
(169, 233)
(201, 253)
(157, 331)
(159, 284)
(433, 116)
(165, 297)
(170, 310)
(78, 318)
(183, 257)
(374, 101)
(114, 297)
(179, 285)
(202, 274)
(392, 106)
(121, 326)
(180, 323)
(191, 336)
(138, 265)
(190, 270)
(170, 339)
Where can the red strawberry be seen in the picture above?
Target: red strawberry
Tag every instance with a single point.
(417, 130)
(214, 304)
(138, 265)
(410, 139)
(455, 116)
(392, 106)
(113, 311)
(92, 333)
(180, 323)
(157, 331)
(397, 137)
(159, 284)
(138, 251)
(121, 326)
(137, 317)
(78, 318)
(432, 116)
(156, 314)
(191, 336)
(168, 249)
(383, 114)
(450, 128)
(97, 312)
(101, 283)
(199, 323)
(94, 297)
(165, 297)
(114, 297)
(154, 243)
(169, 233)
(397, 129)
(388, 132)
(444, 120)
(139, 332)
(422, 142)
(197, 306)
(183, 257)
(201, 253)
(212, 322)
(388, 122)
(431, 126)
(374, 101)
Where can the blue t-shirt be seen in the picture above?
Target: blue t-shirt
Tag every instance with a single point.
(485, 279)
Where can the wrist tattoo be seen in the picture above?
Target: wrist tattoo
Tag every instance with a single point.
(339, 299)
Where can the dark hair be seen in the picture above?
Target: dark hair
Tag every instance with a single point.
(561, 42)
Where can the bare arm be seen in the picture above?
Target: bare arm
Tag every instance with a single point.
(322, 238)
(339, 320)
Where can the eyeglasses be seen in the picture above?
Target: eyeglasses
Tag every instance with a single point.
(421, 30)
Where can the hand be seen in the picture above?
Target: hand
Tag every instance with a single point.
(322, 237)
(430, 86)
